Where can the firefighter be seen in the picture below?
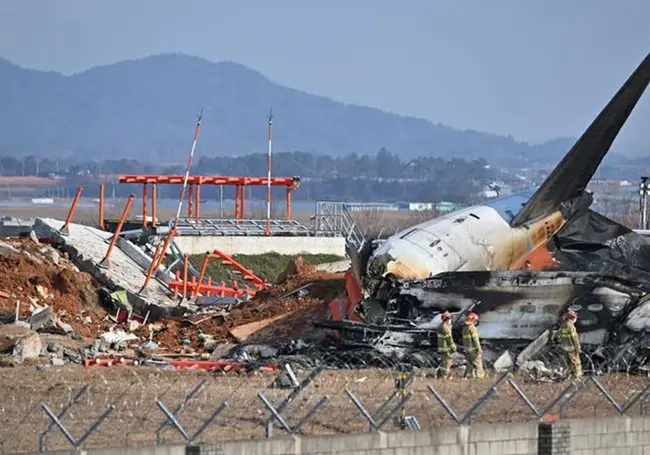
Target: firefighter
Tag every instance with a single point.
(473, 350)
(446, 345)
(571, 343)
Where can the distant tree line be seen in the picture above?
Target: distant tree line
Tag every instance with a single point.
(380, 177)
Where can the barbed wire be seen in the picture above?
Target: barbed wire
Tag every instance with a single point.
(123, 406)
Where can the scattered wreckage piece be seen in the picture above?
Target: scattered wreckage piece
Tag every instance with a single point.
(191, 287)
(19, 341)
(204, 365)
(242, 332)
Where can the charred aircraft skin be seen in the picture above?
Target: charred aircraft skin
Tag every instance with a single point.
(526, 258)
(519, 306)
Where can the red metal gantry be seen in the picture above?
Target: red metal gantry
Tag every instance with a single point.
(195, 182)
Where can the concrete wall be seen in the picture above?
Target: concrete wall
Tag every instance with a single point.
(620, 436)
(260, 245)
(177, 449)
(616, 435)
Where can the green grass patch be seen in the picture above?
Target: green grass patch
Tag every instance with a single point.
(267, 266)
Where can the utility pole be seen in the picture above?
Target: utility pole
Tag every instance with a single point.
(268, 180)
(644, 187)
(221, 201)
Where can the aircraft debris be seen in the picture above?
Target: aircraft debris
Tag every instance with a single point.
(503, 363)
(527, 258)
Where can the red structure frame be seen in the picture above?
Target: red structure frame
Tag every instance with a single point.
(194, 193)
(195, 286)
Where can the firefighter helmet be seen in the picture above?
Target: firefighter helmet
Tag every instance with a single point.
(445, 316)
(472, 316)
(570, 314)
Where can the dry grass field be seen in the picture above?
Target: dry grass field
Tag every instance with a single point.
(133, 391)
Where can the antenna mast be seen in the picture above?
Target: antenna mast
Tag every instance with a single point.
(268, 180)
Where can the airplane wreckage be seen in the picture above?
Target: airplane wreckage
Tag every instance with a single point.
(519, 262)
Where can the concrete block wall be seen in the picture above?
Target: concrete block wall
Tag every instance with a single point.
(618, 435)
(607, 436)
(176, 449)
(520, 439)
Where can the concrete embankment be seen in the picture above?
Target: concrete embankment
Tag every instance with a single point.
(260, 245)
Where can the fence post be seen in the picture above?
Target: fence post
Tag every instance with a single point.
(76, 443)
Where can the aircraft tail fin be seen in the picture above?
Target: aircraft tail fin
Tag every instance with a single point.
(571, 176)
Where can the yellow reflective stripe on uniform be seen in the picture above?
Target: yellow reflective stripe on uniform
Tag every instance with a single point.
(568, 337)
(445, 340)
(470, 338)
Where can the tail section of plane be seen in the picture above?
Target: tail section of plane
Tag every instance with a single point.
(570, 178)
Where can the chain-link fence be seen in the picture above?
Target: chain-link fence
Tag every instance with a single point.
(121, 406)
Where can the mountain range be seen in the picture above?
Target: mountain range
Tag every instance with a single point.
(147, 109)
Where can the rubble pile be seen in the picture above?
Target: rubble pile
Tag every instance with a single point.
(300, 295)
(43, 288)
(52, 310)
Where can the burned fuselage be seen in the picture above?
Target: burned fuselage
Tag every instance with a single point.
(517, 306)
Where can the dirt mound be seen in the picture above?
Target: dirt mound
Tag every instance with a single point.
(323, 287)
(31, 278)
(300, 311)
(296, 267)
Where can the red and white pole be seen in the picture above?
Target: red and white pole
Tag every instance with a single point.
(156, 261)
(268, 179)
(187, 172)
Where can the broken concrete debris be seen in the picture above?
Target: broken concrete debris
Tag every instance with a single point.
(20, 342)
(6, 248)
(72, 310)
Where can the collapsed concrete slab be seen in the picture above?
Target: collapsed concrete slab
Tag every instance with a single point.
(87, 247)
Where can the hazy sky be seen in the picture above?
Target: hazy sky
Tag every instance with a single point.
(533, 69)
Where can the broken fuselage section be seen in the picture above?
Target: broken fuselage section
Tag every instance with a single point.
(473, 260)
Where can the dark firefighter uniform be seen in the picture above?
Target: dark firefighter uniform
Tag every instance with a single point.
(446, 345)
(473, 350)
(571, 343)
